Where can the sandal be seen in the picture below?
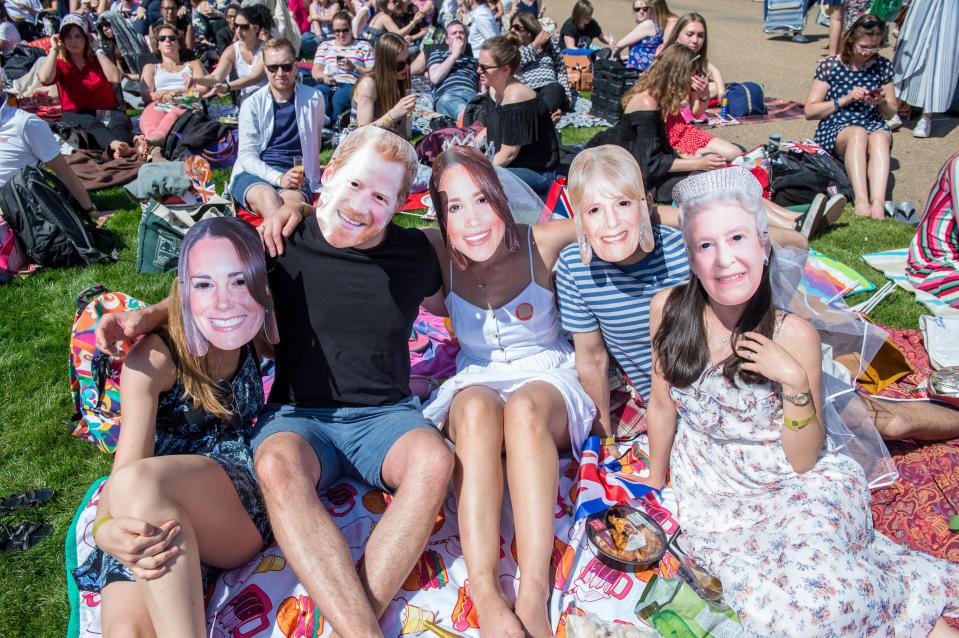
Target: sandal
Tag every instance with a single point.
(23, 536)
(24, 500)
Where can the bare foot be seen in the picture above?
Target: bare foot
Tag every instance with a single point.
(496, 619)
(879, 213)
(863, 209)
(535, 618)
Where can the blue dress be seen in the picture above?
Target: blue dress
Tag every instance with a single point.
(180, 429)
(842, 79)
(642, 54)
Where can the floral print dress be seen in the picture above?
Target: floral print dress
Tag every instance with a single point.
(796, 553)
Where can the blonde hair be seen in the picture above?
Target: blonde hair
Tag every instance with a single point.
(660, 13)
(608, 169)
(279, 44)
(667, 80)
(391, 148)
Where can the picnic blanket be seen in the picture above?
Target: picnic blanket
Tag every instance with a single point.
(264, 598)
(892, 263)
(830, 279)
(777, 109)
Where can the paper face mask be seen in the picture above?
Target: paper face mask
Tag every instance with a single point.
(359, 199)
(472, 225)
(220, 304)
(615, 228)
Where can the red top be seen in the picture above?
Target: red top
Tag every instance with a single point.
(86, 88)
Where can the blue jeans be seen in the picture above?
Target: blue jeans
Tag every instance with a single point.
(349, 440)
(243, 182)
(337, 98)
(539, 181)
(453, 103)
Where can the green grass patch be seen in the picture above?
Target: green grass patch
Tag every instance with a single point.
(37, 450)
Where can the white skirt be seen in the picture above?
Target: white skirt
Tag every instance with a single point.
(555, 367)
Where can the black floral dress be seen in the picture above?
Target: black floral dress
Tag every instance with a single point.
(180, 429)
(841, 80)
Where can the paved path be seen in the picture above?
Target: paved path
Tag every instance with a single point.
(741, 51)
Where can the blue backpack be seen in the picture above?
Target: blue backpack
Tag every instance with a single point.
(745, 98)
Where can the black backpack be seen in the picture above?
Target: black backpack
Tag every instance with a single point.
(43, 215)
(797, 177)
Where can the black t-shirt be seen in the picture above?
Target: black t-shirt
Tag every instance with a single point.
(528, 125)
(345, 317)
(583, 37)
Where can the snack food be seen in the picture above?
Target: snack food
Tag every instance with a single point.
(628, 536)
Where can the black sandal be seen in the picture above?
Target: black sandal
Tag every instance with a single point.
(23, 536)
(24, 500)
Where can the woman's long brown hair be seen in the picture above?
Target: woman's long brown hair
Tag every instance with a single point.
(389, 90)
(667, 80)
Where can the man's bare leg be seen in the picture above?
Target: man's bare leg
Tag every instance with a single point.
(921, 420)
(288, 472)
(418, 468)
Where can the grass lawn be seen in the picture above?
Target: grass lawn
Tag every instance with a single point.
(36, 449)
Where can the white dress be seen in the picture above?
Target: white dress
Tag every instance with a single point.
(507, 347)
(797, 553)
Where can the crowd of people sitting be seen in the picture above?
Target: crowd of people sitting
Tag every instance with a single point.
(208, 469)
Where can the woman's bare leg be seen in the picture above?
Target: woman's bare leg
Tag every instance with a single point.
(943, 630)
(851, 146)
(215, 529)
(476, 427)
(536, 430)
(123, 613)
(879, 143)
(728, 150)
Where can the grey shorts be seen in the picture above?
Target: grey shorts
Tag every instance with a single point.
(347, 441)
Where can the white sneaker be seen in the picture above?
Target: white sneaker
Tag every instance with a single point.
(894, 122)
(833, 209)
(813, 217)
(923, 126)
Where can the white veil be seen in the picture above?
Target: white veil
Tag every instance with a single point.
(848, 423)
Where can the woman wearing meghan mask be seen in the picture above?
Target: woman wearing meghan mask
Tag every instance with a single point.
(736, 413)
(516, 386)
(182, 490)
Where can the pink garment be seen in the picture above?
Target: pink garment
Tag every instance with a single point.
(155, 123)
(301, 15)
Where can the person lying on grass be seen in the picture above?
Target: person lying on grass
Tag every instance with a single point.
(182, 499)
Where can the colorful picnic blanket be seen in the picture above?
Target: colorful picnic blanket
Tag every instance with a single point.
(264, 598)
(777, 109)
(892, 263)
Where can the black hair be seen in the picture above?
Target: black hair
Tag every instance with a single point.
(259, 16)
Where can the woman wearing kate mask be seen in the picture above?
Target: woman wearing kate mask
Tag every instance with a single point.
(736, 413)
(853, 95)
(182, 499)
(516, 387)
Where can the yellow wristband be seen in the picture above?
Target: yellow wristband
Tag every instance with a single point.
(97, 523)
(609, 440)
(797, 424)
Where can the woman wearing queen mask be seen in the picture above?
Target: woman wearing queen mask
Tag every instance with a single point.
(182, 490)
(736, 412)
(516, 386)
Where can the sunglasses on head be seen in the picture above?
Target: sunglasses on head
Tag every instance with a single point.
(872, 23)
(167, 38)
(286, 66)
(341, 30)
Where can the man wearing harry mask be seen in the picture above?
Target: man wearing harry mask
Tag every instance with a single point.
(347, 285)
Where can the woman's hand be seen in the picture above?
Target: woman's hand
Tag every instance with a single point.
(699, 86)
(709, 161)
(766, 357)
(404, 107)
(857, 94)
(55, 44)
(142, 547)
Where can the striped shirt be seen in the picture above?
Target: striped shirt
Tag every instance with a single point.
(359, 52)
(615, 299)
(462, 77)
(933, 262)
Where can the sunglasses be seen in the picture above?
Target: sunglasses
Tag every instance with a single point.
(273, 68)
(243, 26)
(638, 9)
(872, 24)
(402, 64)
(486, 68)
(167, 38)
(341, 30)
(518, 27)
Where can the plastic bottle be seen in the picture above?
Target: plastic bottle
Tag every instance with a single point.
(724, 113)
(774, 142)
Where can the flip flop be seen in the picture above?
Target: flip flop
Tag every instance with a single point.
(23, 536)
(24, 500)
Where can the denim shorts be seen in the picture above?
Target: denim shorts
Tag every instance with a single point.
(243, 182)
(350, 441)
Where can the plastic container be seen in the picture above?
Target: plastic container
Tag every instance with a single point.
(601, 527)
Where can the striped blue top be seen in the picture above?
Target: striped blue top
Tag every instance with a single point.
(615, 299)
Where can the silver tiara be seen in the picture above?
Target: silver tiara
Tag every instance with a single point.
(734, 178)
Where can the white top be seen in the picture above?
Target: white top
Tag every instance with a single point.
(243, 69)
(25, 139)
(256, 128)
(9, 33)
(482, 26)
(16, 14)
(166, 80)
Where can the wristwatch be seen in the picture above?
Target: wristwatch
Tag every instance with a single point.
(799, 399)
